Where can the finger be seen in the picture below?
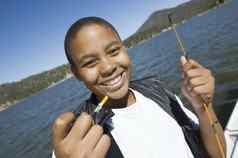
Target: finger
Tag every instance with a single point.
(103, 146)
(61, 126)
(186, 84)
(195, 64)
(80, 127)
(93, 136)
(197, 72)
(207, 98)
(198, 81)
(187, 92)
(199, 90)
(183, 75)
(184, 90)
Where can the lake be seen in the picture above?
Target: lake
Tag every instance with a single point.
(211, 39)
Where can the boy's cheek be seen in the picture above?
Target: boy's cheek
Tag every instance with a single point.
(89, 77)
(124, 59)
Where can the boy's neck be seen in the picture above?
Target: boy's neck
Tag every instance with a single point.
(127, 100)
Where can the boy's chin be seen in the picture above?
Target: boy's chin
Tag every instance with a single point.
(118, 94)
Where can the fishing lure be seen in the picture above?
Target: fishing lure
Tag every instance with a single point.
(100, 105)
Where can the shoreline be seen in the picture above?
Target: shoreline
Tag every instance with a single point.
(9, 104)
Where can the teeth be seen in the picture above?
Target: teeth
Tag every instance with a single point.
(114, 81)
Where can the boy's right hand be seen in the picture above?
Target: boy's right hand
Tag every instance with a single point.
(82, 140)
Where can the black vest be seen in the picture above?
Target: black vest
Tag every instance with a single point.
(152, 88)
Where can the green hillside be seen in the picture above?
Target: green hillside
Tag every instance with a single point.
(158, 20)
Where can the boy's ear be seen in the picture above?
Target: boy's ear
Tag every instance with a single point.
(75, 72)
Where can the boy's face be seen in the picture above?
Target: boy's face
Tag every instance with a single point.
(101, 60)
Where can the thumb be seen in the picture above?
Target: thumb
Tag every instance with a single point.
(61, 126)
(195, 64)
(183, 60)
(185, 64)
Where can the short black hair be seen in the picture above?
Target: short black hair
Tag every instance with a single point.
(79, 24)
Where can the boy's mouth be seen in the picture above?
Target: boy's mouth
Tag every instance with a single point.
(114, 83)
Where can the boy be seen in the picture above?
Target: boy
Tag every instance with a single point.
(135, 122)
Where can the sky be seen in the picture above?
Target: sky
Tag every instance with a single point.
(32, 31)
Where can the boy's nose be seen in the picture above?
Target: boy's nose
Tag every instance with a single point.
(107, 68)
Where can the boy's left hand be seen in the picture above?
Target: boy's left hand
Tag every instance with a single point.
(197, 82)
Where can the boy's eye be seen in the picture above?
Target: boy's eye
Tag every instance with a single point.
(89, 63)
(114, 51)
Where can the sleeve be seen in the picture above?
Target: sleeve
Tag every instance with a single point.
(191, 115)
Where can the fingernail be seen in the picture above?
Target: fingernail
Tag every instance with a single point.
(183, 60)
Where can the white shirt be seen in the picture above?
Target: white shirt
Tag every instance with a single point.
(145, 130)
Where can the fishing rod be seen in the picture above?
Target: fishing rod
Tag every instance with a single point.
(204, 103)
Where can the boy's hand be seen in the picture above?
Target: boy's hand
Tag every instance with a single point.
(197, 82)
(79, 139)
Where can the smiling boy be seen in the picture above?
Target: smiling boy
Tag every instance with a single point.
(136, 121)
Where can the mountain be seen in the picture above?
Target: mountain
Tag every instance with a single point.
(159, 21)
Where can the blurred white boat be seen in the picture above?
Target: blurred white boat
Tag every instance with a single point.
(231, 134)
